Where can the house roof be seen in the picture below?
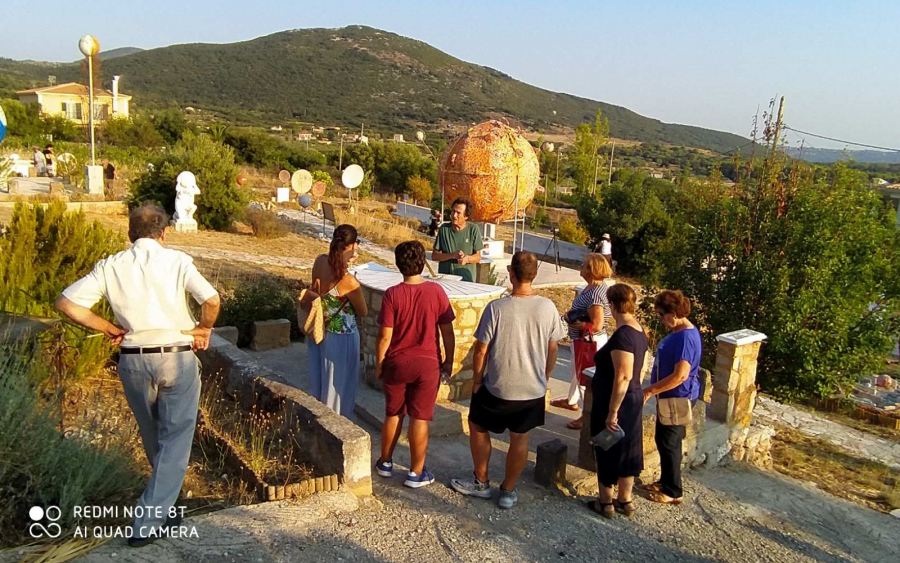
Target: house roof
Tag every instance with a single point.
(72, 88)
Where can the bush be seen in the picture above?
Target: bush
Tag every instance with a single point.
(571, 231)
(540, 217)
(420, 189)
(257, 299)
(137, 131)
(265, 224)
(171, 125)
(38, 466)
(262, 150)
(814, 263)
(635, 211)
(42, 253)
(324, 177)
(221, 200)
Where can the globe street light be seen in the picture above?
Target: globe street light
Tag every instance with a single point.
(89, 46)
(420, 136)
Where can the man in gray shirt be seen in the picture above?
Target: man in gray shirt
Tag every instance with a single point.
(515, 351)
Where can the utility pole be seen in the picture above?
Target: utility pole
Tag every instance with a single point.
(341, 154)
(556, 185)
(778, 125)
(612, 154)
(596, 171)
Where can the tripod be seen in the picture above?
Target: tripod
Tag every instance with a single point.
(554, 242)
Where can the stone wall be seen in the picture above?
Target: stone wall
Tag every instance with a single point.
(468, 314)
(334, 443)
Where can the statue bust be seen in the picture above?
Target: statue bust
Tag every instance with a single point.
(185, 190)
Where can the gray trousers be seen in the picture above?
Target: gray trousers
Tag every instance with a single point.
(163, 391)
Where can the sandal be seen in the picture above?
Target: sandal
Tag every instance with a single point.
(652, 487)
(606, 509)
(563, 403)
(663, 498)
(626, 508)
(575, 424)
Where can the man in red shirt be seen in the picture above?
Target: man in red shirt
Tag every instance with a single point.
(408, 359)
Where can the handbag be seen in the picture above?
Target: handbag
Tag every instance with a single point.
(309, 313)
(584, 349)
(675, 411)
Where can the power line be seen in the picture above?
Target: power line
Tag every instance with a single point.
(840, 140)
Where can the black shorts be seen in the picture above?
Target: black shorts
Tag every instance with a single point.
(498, 415)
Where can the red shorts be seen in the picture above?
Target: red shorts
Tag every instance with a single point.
(411, 385)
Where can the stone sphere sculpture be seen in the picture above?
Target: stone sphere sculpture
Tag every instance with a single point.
(491, 164)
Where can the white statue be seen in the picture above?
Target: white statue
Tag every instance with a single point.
(185, 190)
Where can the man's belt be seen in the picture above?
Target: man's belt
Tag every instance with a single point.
(156, 349)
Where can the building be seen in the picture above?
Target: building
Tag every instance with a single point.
(398, 138)
(70, 100)
(276, 128)
(304, 136)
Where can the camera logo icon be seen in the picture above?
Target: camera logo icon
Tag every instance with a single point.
(37, 529)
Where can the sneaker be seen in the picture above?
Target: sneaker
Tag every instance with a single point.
(508, 499)
(472, 487)
(415, 481)
(385, 468)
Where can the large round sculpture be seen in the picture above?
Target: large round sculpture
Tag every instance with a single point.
(490, 164)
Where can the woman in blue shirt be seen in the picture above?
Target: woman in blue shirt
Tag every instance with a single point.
(675, 379)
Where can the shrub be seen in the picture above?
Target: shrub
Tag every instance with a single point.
(265, 224)
(571, 231)
(42, 253)
(324, 177)
(138, 131)
(171, 125)
(221, 199)
(420, 189)
(38, 466)
(540, 216)
(257, 299)
(811, 262)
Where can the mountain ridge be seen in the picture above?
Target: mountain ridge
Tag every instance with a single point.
(350, 76)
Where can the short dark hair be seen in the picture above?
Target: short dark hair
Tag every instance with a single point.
(672, 301)
(524, 266)
(463, 201)
(410, 257)
(623, 297)
(147, 221)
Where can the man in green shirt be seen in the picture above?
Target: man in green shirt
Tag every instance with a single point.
(457, 247)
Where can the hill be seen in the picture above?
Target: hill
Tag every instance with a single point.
(825, 156)
(351, 76)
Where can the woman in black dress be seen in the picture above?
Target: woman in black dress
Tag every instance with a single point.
(618, 402)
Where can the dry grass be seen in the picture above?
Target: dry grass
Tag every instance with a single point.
(388, 233)
(862, 481)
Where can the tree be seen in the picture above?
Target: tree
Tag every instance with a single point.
(22, 120)
(635, 214)
(586, 158)
(220, 201)
(420, 189)
(171, 124)
(812, 262)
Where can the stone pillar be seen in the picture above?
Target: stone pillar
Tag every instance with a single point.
(734, 382)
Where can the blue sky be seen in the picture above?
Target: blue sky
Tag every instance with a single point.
(702, 63)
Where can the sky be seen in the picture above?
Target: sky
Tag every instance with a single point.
(707, 63)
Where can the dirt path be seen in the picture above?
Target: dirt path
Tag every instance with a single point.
(732, 514)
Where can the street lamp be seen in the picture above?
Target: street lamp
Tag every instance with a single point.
(420, 136)
(89, 46)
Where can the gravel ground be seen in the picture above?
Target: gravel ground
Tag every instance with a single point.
(731, 514)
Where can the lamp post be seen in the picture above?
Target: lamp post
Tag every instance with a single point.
(89, 46)
(420, 136)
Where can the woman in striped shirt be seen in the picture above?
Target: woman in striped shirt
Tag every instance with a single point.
(591, 305)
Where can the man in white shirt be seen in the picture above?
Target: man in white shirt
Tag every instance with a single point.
(146, 287)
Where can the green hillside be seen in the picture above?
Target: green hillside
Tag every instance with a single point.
(351, 76)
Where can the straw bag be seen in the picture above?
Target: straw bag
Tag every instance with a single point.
(309, 313)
